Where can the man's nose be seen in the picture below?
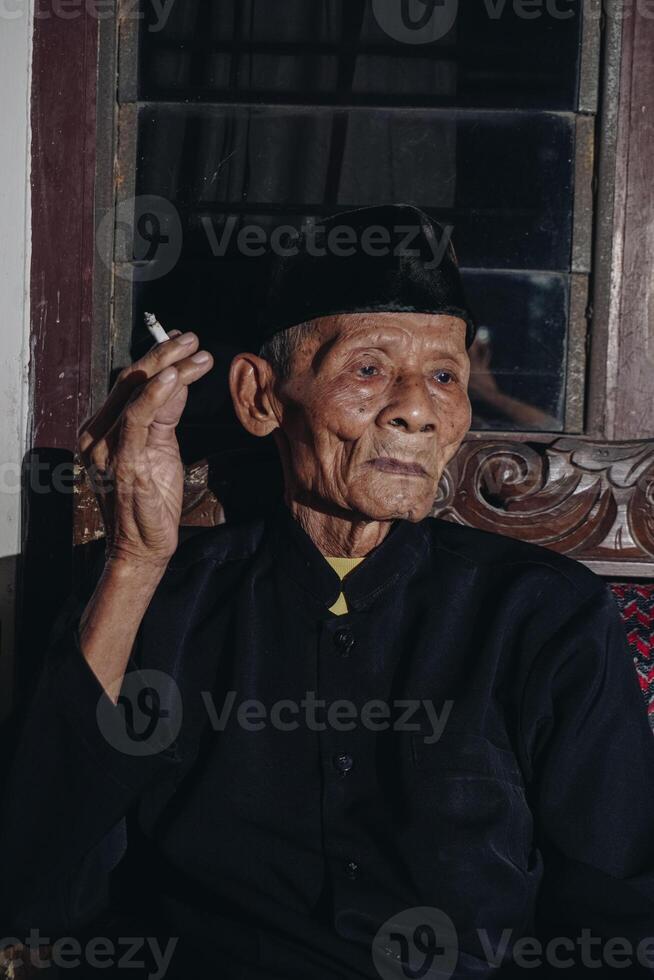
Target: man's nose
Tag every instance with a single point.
(410, 407)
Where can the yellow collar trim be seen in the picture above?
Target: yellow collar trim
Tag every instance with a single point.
(342, 567)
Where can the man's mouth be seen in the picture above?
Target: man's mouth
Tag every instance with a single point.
(386, 464)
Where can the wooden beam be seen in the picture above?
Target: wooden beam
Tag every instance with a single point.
(64, 83)
(634, 390)
(63, 179)
(622, 352)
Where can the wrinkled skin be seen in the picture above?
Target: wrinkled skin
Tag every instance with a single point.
(375, 407)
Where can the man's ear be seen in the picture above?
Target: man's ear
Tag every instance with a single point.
(250, 383)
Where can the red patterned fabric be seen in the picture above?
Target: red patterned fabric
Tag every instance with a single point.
(636, 603)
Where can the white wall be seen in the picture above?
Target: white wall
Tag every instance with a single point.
(15, 218)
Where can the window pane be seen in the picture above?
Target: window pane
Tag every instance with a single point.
(490, 54)
(502, 180)
(518, 358)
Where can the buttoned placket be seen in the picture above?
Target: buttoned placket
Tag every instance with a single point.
(342, 752)
(347, 756)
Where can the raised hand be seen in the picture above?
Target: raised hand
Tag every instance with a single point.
(131, 451)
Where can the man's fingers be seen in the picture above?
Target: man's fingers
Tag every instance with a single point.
(174, 351)
(162, 429)
(154, 414)
(139, 415)
(191, 369)
(156, 359)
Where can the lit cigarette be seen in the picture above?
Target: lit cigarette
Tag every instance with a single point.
(155, 328)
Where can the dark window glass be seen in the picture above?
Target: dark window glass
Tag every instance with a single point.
(503, 180)
(495, 53)
(518, 358)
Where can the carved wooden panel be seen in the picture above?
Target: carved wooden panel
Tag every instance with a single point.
(591, 500)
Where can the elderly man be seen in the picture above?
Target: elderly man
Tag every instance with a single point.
(348, 740)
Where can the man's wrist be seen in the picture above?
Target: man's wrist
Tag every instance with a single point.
(133, 563)
(141, 574)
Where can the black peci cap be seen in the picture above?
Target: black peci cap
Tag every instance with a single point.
(387, 258)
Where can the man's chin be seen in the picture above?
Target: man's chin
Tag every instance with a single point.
(392, 509)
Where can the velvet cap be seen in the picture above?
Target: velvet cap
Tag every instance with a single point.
(386, 258)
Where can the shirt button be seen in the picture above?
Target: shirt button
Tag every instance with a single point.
(343, 762)
(352, 870)
(344, 641)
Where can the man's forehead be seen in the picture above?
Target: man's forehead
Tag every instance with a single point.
(431, 329)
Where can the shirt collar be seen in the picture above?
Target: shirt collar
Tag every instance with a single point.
(394, 559)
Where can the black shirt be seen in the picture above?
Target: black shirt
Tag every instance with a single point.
(489, 758)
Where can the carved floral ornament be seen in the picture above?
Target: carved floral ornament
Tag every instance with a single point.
(591, 500)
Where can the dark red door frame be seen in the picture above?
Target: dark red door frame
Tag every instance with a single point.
(63, 177)
(63, 102)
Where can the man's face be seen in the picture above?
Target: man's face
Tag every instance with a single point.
(374, 408)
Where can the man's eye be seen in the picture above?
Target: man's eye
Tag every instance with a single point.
(444, 377)
(368, 370)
